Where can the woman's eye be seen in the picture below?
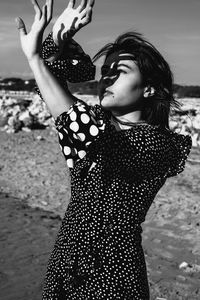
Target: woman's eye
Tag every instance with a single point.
(107, 72)
(121, 71)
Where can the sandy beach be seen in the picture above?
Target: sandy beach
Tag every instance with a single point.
(34, 194)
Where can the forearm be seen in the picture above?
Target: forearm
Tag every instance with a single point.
(56, 97)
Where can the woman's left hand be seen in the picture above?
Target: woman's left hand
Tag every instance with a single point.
(31, 43)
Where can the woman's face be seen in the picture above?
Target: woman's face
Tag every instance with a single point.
(120, 87)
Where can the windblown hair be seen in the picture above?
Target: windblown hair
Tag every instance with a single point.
(155, 73)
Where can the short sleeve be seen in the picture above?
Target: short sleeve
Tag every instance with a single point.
(71, 64)
(78, 128)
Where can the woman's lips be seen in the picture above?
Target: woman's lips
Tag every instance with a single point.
(105, 94)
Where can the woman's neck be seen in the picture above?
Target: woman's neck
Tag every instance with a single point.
(131, 117)
(127, 120)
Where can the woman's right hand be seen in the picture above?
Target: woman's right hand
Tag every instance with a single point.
(72, 20)
(31, 43)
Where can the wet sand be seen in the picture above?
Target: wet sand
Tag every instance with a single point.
(35, 191)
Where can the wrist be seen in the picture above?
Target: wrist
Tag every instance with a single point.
(34, 60)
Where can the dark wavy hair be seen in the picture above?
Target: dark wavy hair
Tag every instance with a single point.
(155, 72)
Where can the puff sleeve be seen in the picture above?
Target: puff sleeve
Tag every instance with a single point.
(78, 128)
(71, 64)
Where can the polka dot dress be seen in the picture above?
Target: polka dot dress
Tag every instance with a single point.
(115, 176)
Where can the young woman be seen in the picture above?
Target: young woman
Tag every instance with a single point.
(119, 154)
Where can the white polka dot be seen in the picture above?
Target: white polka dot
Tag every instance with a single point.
(100, 122)
(81, 108)
(74, 126)
(74, 62)
(67, 150)
(75, 136)
(88, 143)
(70, 163)
(102, 127)
(81, 136)
(94, 130)
(85, 118)
(73, 116)
(81, 153)
(60, 135)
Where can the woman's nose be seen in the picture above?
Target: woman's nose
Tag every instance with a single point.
(108, 81)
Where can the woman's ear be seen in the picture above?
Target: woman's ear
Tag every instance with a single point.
(149, 91)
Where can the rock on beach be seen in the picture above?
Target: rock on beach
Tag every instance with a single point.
(17, 114)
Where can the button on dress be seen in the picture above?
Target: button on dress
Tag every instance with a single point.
(115, 176)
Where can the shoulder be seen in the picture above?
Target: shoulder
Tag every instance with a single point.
(157, 151)
(173, 148)
(155, 141)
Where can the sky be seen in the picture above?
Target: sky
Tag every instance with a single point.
(172, 26)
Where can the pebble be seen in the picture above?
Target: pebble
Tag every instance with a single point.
(40, 138)
(189, 268)
(26, 129)
(43, 202)
(183, 265)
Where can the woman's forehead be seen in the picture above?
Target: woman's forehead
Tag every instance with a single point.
(117, 56)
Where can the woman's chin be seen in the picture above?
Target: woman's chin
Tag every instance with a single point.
(106, 101)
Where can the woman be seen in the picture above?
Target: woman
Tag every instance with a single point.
(119, 154)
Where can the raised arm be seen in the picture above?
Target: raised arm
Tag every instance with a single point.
(57, 98)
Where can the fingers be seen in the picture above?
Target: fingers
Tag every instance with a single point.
(91, 3)
(44, 15)
(72, 29)
(37, 9)
(71, 3)
(59, 36)
(87, 10)
(82, 5)
(39, 13)
(88, 17)
(21, 26)
(85, 5)
(49, 4)
(85, 19)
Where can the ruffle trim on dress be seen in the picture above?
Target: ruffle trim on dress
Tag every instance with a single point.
(180, 146)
